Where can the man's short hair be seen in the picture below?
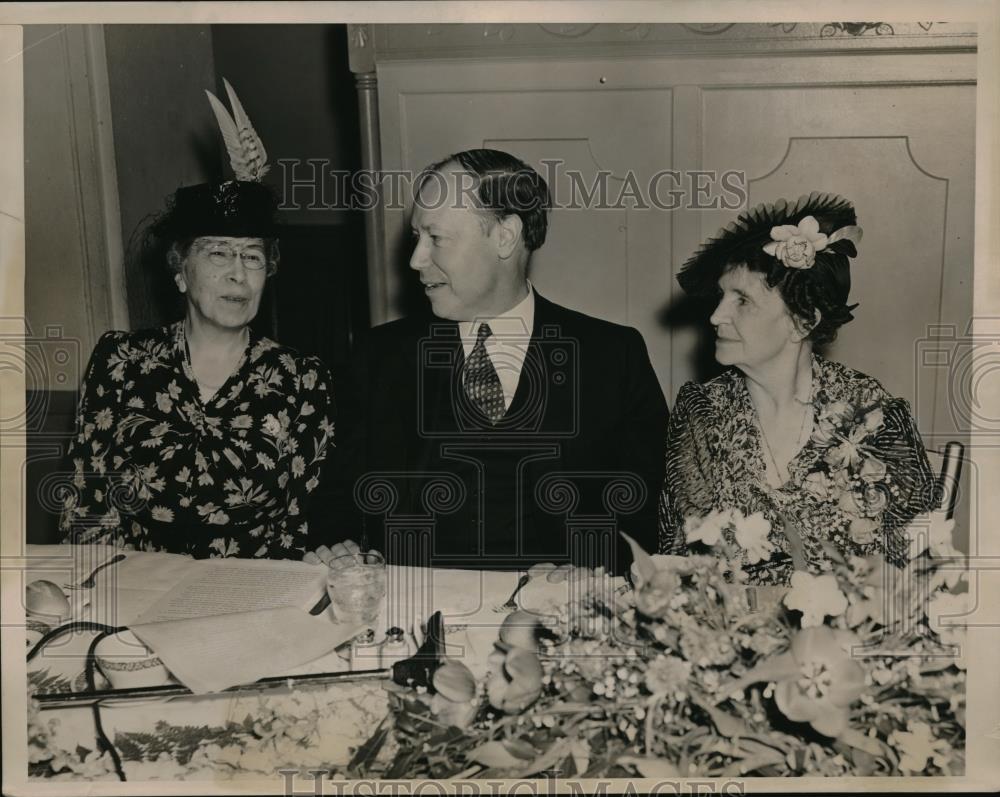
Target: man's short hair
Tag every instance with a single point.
(505, 185)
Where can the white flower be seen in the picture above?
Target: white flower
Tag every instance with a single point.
(945, 613)
(796, 246)
(271, 425)
(918, 745)
(934, 531)
(708, 529)
(751, 535)
(816, 597)
(162, 514)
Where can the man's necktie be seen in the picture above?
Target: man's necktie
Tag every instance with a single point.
(482, 385)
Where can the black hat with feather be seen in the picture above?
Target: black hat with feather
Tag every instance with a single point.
(239, 208)
(802, 248)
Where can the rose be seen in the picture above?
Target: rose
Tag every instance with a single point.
(796, 252)
(796, 246)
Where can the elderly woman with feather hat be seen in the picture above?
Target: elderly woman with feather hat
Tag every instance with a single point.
(787, 459)
(202, 437)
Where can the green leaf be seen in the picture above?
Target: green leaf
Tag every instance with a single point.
(777, 668)
(520, 748)
(758, 743)
(367, 752)
(495, 755)
(753, 763)
(651, 767)
(643, 561)
(856, 738)
(401, 766)
(548, 759)
(41, 682)
(726, 724)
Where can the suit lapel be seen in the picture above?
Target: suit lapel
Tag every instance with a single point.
(438, 366)
(536, 388)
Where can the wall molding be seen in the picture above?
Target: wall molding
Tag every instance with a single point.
(491, 40)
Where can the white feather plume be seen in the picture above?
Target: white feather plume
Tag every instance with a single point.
(246, 151)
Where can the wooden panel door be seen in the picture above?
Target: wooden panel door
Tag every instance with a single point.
(605, 258)
(894, 132)
(905, 157)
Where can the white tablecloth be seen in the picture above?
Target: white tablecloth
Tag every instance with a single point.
(467, 599)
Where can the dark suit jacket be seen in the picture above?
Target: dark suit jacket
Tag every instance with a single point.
(578, 455)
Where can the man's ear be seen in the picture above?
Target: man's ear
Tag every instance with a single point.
(509, 231)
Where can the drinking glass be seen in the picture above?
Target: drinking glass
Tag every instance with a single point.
(356, 585)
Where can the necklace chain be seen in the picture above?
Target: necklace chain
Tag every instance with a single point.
(798, 446)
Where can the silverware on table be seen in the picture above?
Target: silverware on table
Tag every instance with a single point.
(90, 581)
(511, 603)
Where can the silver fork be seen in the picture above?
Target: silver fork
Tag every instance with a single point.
(511, 604)
(90, 581)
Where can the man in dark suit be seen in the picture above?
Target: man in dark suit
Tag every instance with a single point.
(500, 430)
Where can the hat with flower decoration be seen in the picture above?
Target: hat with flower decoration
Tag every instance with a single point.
(240, 208)
(807, 242)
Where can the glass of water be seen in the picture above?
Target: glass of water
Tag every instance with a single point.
(356, 585)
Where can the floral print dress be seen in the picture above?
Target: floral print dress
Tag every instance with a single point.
(156, 469)
(859, 479)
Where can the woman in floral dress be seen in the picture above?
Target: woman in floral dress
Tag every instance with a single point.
(202, 437)
(787, 458)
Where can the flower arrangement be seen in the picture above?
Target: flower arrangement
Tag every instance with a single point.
(689, 674)
(849, 471)
(850, 672)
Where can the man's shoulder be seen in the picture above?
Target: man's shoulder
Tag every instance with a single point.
(578, 323)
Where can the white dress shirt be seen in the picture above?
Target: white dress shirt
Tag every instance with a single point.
(508, 345)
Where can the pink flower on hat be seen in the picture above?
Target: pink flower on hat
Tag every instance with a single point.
(796, 246)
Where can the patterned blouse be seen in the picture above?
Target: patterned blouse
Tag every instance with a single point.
(862, 475)
(157, 469)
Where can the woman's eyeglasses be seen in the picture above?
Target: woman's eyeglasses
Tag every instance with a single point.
(223, 254)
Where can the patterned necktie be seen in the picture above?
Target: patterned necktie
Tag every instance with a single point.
(482, 385)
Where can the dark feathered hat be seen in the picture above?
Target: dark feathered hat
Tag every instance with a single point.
(240, 208)
(806, 242)
(235, 208)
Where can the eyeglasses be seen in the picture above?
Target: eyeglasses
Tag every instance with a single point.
(222, 255)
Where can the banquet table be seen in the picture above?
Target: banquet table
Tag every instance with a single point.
(340, 710)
